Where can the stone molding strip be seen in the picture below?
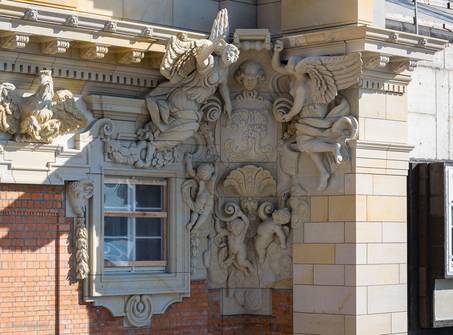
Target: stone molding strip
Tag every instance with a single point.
(78, 69)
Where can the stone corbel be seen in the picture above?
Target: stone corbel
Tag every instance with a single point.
(79, 193)
(130, 56)
(252, 39)
(400, 64)
(55, 46)
(93, 51)
(14, 41)
(373, 61)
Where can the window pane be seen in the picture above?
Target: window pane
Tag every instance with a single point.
(146, 227)
(148, 249)
(115, 226)
(115, 250)
(115, 196)
(148, 197)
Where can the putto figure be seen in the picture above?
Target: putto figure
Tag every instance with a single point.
(195, 70)
(268, 229)
(198, 192)
(321, 130)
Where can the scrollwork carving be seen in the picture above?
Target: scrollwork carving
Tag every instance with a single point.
(78, 195)
(139, 310)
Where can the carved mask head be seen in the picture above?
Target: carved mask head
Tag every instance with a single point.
(281, 216)
(249, 74)
(230, 54)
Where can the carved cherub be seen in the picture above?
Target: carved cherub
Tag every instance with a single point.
(198, 192)
(235, 232)
(268, 229)
(314, 83)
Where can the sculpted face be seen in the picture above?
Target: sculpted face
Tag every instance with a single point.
(250, 73)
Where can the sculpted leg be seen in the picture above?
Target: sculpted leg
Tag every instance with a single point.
(323, 172)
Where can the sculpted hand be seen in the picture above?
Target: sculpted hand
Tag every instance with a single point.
(278, 46)
(228, 109)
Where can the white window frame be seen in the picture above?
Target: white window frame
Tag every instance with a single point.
(154, 266)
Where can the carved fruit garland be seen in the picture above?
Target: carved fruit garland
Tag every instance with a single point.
(79, 194)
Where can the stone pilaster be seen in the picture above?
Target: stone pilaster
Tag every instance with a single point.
(350, 256)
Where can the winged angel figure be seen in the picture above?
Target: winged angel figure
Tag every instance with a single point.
(39, 117)
(321, 131)
(195, 69)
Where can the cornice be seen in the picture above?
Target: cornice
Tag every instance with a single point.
(361, 38)
(59, 29)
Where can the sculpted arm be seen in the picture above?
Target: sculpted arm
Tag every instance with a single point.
(190, 171)
(204, 52)
(276, 63)
(225, 93)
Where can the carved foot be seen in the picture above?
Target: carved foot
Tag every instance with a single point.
(337, 153)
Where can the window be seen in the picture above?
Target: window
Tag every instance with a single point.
(135, 224)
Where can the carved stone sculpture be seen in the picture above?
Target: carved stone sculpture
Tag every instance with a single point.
(198, 192)
(320, 130)
(78, 195)
(250, 133)
(41, 116)
(139, 310)
(195, 70)
(234, 232)
(268, 229)
(249, 182)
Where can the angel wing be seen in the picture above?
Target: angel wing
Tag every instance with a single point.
(65, 110)
(330, 74)
(220, 27)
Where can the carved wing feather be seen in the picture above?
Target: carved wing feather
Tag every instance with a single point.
(179, 59)
(330, 74)
(220, 27)
(66, 112)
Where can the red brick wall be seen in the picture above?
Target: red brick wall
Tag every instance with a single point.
(38, 297)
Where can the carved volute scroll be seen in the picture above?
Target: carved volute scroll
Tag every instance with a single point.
(139, 310)
(79, 192)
